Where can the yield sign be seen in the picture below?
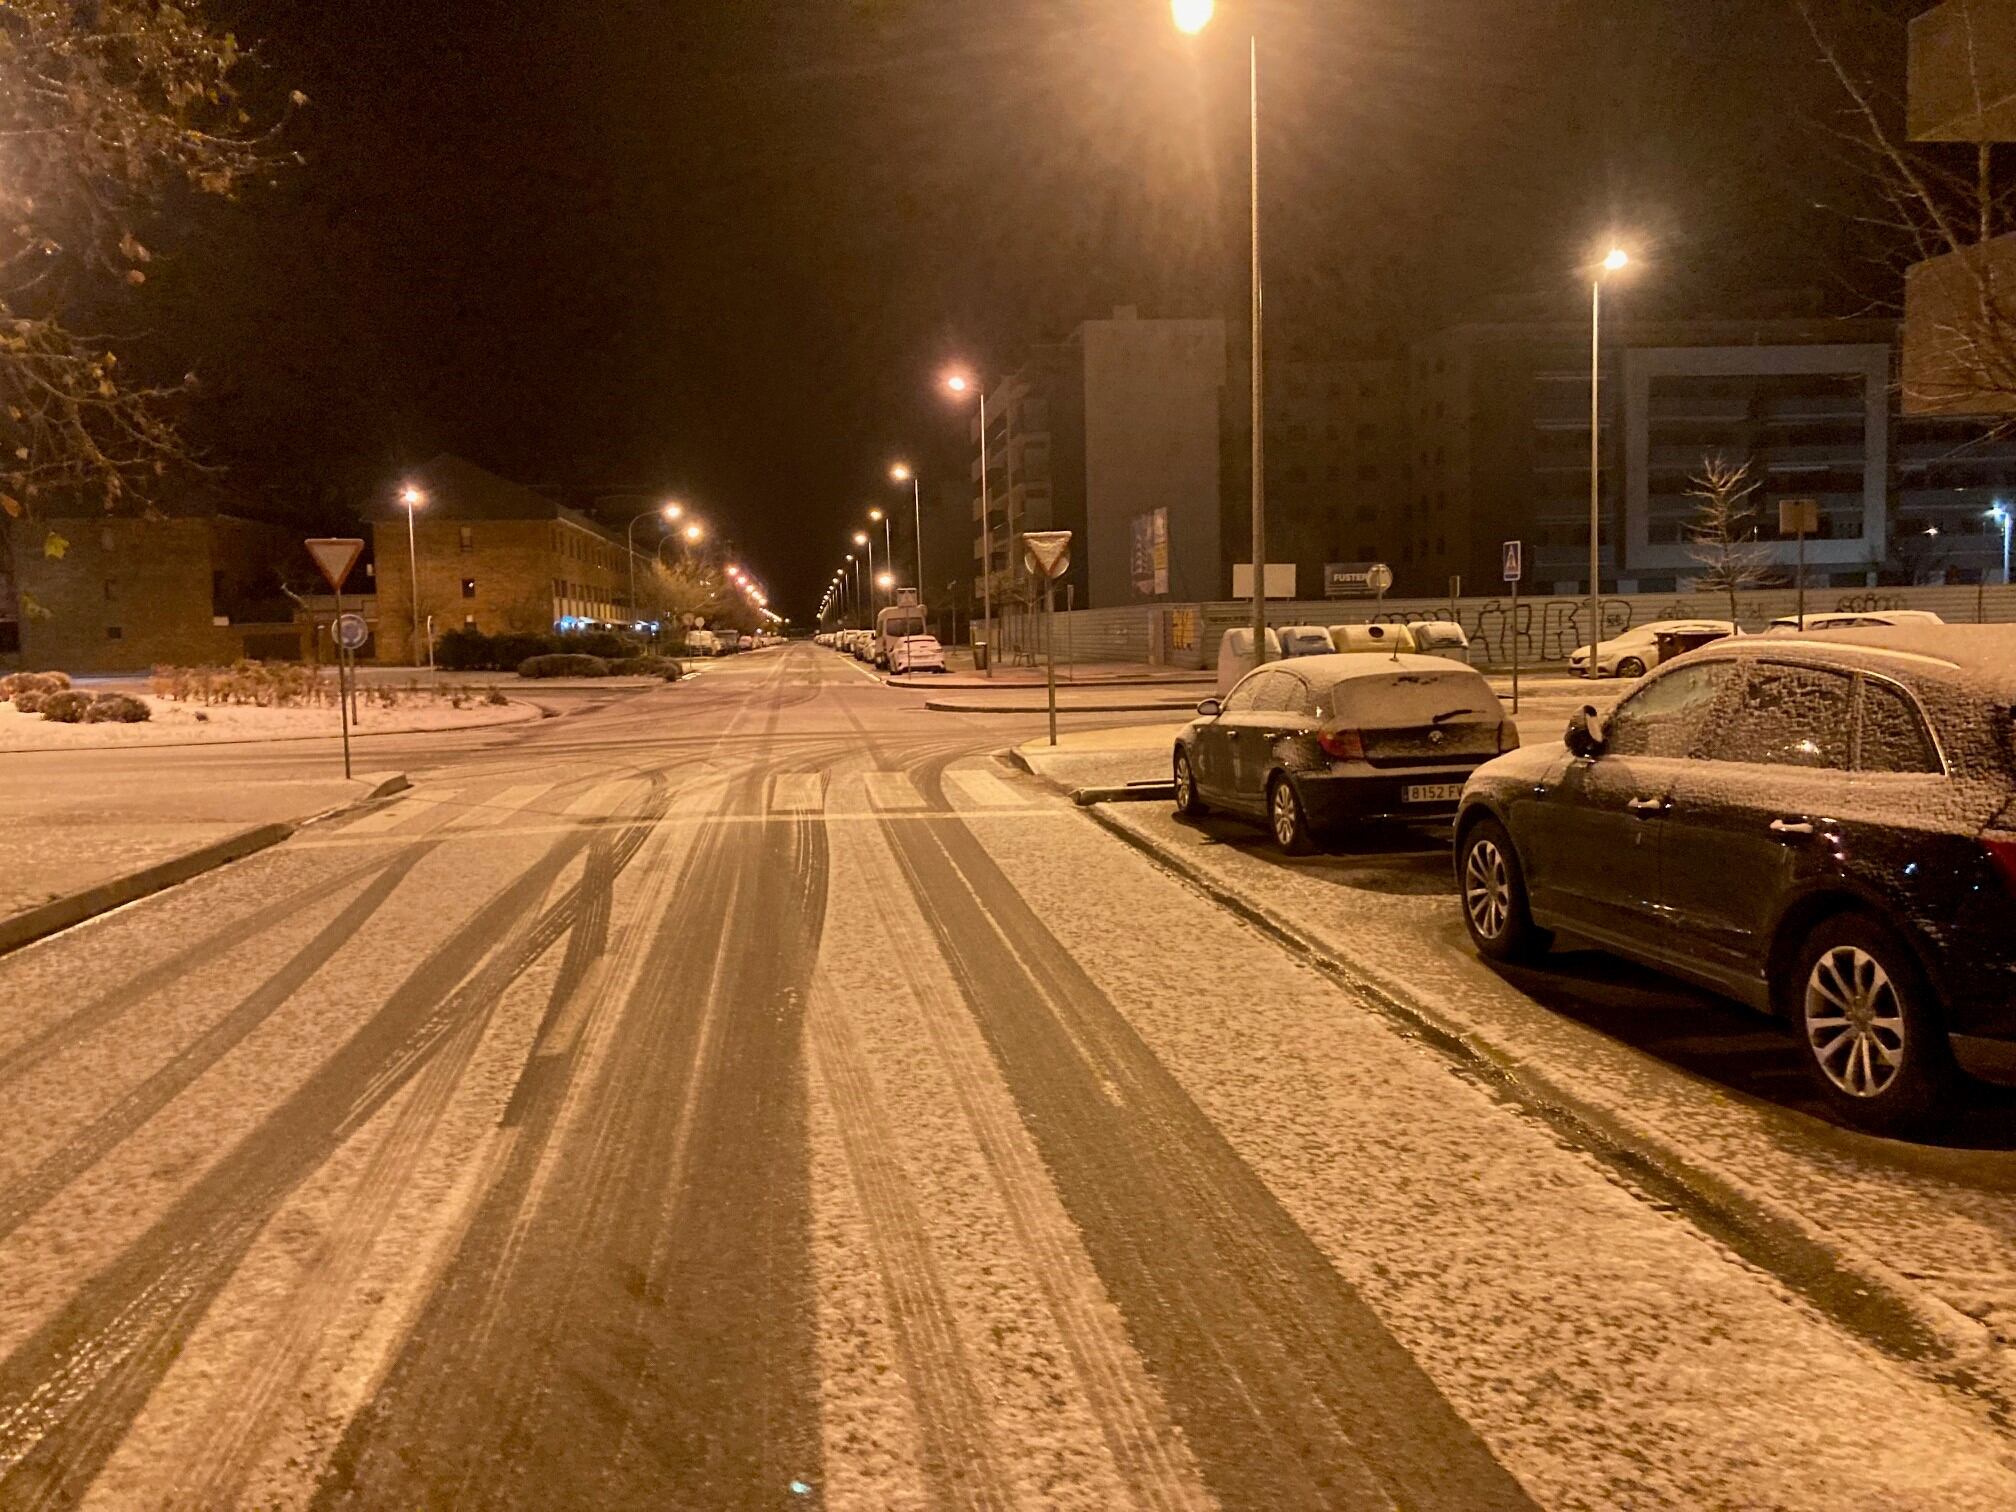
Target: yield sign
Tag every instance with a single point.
(1048, 551)
(336, 557)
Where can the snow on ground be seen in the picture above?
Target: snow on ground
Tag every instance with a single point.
(189, 723)
(1609, 1353)
(1940, 1218)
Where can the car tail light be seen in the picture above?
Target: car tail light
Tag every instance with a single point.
(2001, 848)
(1508, 736)
(1343, 745)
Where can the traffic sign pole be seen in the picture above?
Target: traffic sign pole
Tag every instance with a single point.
(1514, 553)
(342, 690)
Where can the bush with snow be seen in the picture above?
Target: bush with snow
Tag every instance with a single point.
(66, 707)
(563, 665)
(29, 701)
(14, 684)
(649, 666)
(117, 708)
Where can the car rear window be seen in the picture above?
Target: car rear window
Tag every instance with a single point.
(1407, 697)
(1893, 737)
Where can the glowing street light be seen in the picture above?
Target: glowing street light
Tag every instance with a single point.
(888, 540)
(903, 472)
(694, 533)
(1614, 261)
(1192, 17)
(667, 512)
(413, 498)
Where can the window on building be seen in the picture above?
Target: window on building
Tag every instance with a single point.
(468, 587)
(111, 590)
(468, 534)
(114, 632)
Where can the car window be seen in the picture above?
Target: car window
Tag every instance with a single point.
(1894, 738)
(1789, 715)
(1667, 715)
(1247, 695)
(1280, 692)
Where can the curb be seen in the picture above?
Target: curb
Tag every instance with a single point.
(1148, 791)
(1856, 1292)
(59, 914)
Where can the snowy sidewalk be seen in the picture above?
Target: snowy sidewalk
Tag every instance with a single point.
(59, 846)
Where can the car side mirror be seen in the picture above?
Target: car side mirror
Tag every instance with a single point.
(1210, 708)
(1585, 734)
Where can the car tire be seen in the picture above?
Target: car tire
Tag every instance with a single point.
(1869, 1026)
(1631, 666)
(1287, 820)
(1491, 886)
(1188, 804)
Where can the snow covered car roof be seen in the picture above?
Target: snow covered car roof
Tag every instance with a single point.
(1982, 655)
(1325, 671)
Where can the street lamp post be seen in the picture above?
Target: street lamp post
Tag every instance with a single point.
(888, 545)
(2004, 516)
(902, 472)
(863, 539)
(413, 498)
(958, 383)
(667, 512)
(1613, 261)
(1191, 17)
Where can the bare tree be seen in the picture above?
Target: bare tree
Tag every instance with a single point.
(1934, 208)
(1722, 536)
(108, 111)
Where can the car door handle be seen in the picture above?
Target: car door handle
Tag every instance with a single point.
(1649, 806)
(1790, 827)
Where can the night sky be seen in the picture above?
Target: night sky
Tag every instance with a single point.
(724, 249)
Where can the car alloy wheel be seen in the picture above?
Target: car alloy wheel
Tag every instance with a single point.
(1487, 889)
(1855, 1021)
(1630, 667)
(1291, 831)
(1187, 801)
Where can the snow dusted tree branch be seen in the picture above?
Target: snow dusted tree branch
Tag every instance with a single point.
(108, 109)
(1722, 536)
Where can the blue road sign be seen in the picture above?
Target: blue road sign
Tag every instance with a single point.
(1515, 560)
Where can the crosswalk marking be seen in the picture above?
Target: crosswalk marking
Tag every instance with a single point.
(797, 793)
(982, 789)
(499, 805)
(892, 790)
(397, 813)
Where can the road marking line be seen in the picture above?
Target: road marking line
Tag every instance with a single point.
(797, 793)
(893, 790)
(983, 789)
(502, 805)
(397, 813)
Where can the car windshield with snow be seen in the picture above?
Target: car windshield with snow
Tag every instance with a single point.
(1823, 828)
(1321, 742)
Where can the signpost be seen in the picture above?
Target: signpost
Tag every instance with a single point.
(1048, 554)
(1799, 517)
(336, 556)
(1514, 555)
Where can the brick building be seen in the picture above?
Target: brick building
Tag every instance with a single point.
(125, 594)
(493, 556)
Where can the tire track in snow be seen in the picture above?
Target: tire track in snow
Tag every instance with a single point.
(633, 1326)
(72, 1389)
(1290, 1390)
(22, 1199)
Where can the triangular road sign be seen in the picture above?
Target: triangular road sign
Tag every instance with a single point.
(1049, 552)
(336, 556)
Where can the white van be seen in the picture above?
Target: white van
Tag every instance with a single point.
(892, 625)
(1235, 656)
(1386, 638)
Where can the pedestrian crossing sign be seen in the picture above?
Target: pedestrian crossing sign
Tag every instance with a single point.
(1515, 560)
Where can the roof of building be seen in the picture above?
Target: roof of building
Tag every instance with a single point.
(457, 489)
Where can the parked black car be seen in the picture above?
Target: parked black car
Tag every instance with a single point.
(1821, 827)
(1314, 743)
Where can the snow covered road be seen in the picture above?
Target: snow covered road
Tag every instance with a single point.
(753, 1095)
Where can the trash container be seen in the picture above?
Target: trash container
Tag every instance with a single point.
(979, 656)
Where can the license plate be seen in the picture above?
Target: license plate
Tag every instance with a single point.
(1432, 792)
